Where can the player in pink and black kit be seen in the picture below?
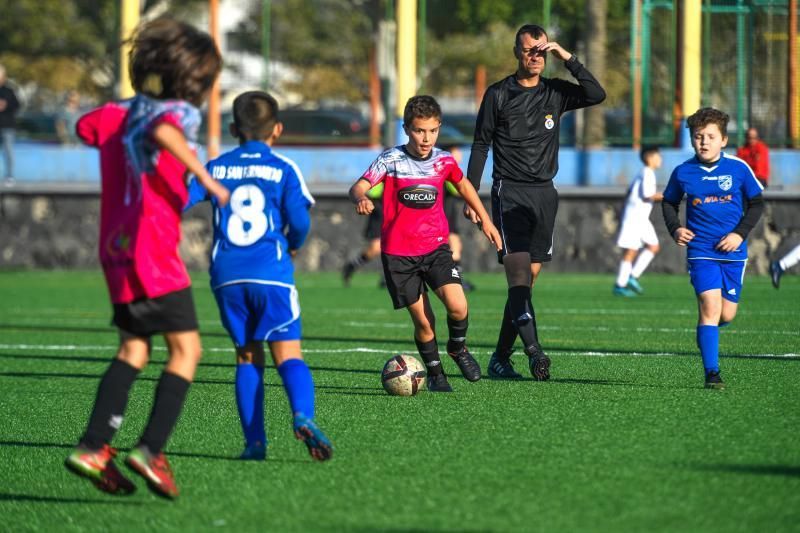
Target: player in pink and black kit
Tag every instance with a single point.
(144, 158)
(414, 235)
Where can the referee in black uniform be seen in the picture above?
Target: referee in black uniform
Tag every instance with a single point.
(519, 118)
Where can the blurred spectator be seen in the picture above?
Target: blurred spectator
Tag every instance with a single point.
(756, 154)
(67, 118)
(9, 105)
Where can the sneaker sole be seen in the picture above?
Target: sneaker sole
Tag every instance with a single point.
(715, 386)
(96, 478)
(541, 368)
(154, 486)
(319, 450)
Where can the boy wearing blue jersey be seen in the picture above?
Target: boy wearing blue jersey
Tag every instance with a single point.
(252, 276)
(723, 203)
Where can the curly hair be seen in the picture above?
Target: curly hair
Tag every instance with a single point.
(708, 115)
(421, 107)
(172, 59)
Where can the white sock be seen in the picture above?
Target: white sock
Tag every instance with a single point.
(642, 262)
(791, 259)
(625, 268)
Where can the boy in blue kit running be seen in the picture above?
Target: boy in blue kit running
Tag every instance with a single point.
(252, 276)
(723, 203)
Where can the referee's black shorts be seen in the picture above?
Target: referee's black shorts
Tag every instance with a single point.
(374, 222)
(525, 216)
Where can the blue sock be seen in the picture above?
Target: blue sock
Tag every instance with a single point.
(708, 342)
(250, 401)
(299, 386)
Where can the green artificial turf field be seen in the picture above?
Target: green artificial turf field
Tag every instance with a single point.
(622, 438)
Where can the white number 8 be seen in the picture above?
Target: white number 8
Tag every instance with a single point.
(247, 223)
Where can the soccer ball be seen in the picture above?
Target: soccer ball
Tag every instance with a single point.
(403, 375)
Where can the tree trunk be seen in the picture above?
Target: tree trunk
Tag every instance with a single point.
(594, 129)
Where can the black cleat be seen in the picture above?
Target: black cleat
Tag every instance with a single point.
(439, 383)
(775, 272)
(714, 381)
(347, 273)
(469, 367)
(539, 363)
(502, 369)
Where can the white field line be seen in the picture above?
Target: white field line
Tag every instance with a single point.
(377, 325)
(363, 349)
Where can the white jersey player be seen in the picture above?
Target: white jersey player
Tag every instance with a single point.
(637, 236)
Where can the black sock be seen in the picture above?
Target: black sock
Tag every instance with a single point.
(358, 261)
(458, 334)
(519, 303)
(507, 336)
(430, 355)
(170, 394)
(109, 405)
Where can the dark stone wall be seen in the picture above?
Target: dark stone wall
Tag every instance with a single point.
(60, 231)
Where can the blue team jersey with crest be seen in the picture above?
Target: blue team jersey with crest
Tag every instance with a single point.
(266, 217)
(716, 195)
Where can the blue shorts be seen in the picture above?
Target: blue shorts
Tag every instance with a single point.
(259, 312)
(707, 274)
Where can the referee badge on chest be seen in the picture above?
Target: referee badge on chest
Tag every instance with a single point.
(549, 123)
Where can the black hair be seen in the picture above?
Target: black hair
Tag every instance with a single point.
(647, 151)
(534, 30)
(255, 114)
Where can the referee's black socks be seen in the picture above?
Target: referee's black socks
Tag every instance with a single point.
(521, 308)
(430, 355)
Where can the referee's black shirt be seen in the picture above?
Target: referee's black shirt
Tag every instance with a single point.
(521, 125)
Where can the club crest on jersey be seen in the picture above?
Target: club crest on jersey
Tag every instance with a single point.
(549, 123)
(725, 182)
(418, 196)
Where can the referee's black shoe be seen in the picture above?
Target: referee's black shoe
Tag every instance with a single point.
(502, 368)
(538, 362)
(438, 383)
(467, 364)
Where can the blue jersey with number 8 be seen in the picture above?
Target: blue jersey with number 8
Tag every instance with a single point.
(266, 218)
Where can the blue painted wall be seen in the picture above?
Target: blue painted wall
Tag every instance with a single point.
(329, 168)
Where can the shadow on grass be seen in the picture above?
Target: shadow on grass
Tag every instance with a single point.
(55, 499)
(169, 452)
(764, 470)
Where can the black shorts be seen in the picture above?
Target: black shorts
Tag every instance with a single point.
(406, 277)
(453, 210)
(171, 312)
(374, 222)
(525, 216)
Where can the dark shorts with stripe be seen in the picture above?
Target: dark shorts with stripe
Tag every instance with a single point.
(453, 210)
(172, 312)
(407, 277)
(374, 222)
(525, 216)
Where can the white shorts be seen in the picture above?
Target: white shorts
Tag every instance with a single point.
(636, 234)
